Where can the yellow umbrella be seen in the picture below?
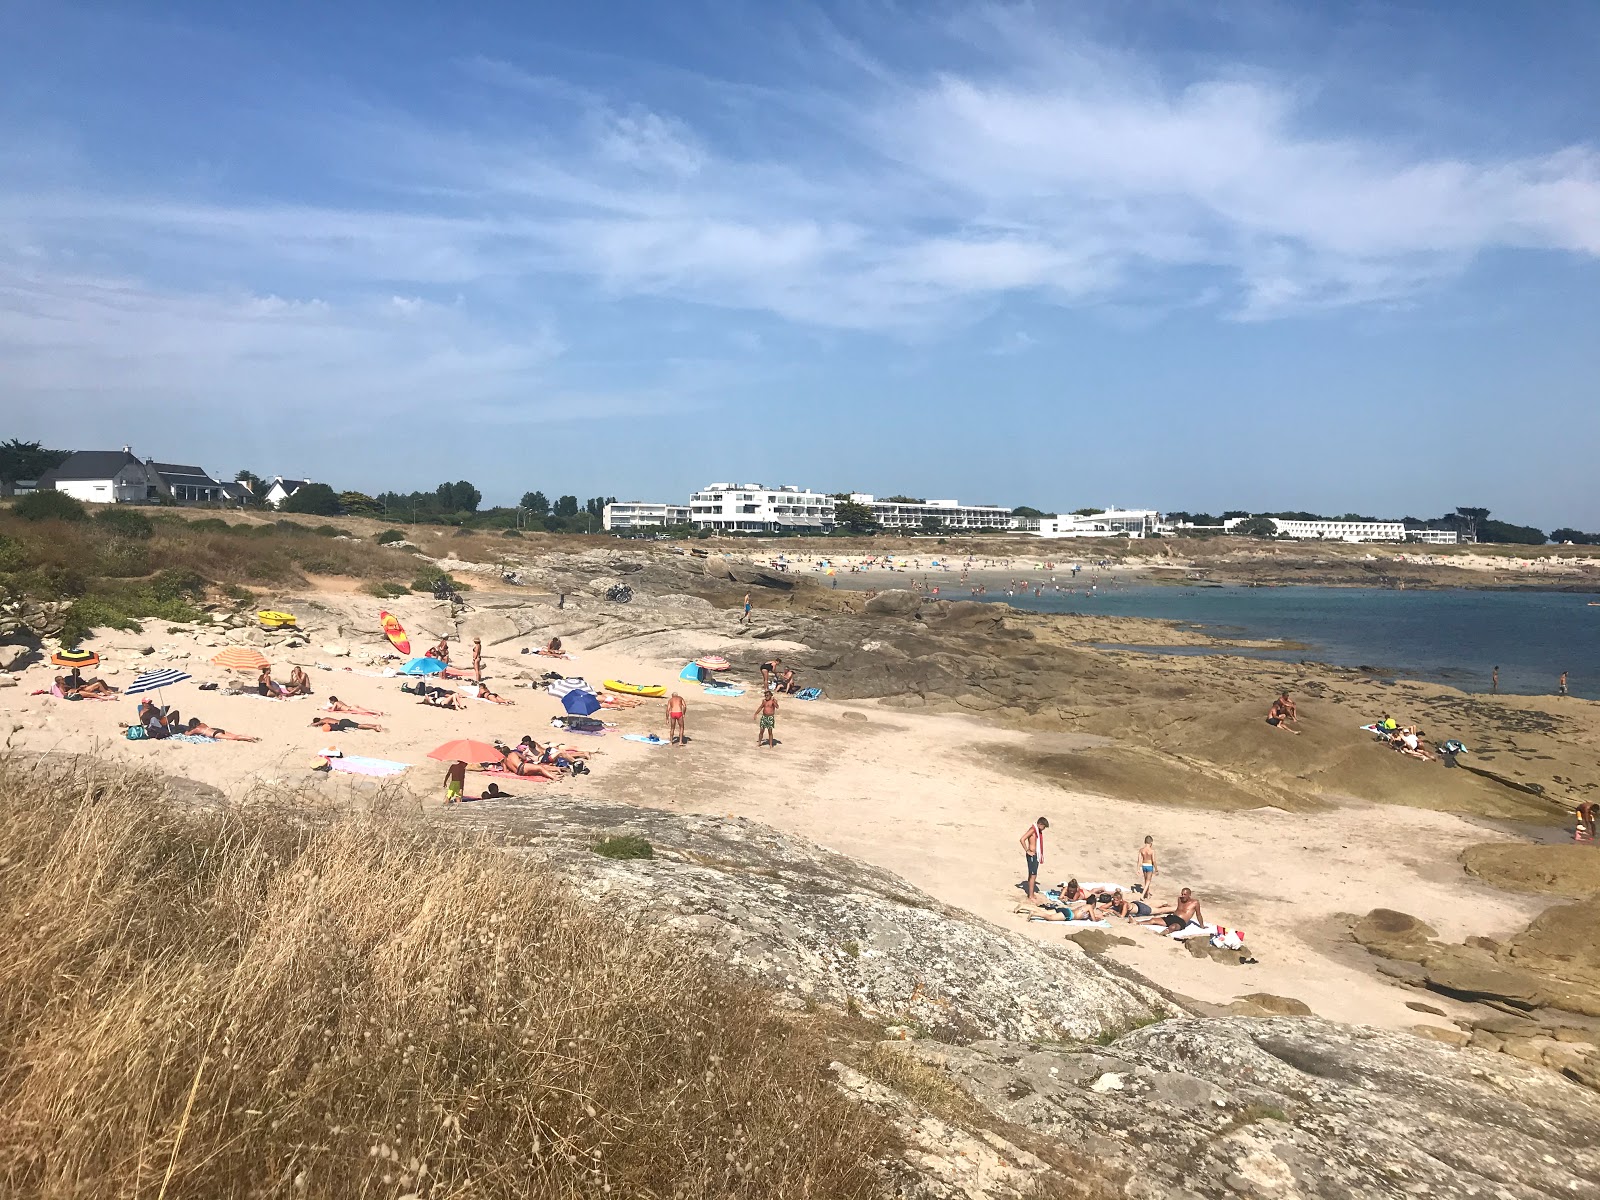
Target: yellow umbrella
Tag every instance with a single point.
(240, 658)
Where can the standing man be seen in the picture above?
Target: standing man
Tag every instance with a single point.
(455, 782)
(744, 618)
(767, 719)
(1494, 681)
(676, 707)
(1561, 685)
(477, 659)
(1033, 852)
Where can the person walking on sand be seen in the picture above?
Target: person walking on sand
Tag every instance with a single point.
(1494, 681)
(1147, 865)
(477, 659)
(744, 618)
(767, 720)
(1033, 854)
(676, 707)
(1561, 685)
(455, 782)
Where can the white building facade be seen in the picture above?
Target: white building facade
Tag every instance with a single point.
(1112, 522)
(643, 514)
(950, 514)
(1354, 531)
(756, 508)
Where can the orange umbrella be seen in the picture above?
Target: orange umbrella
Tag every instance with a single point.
(466, 750)
(240, 658)
(75, 658)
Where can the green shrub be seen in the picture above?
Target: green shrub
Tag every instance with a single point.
(429, 577)
(122, 558)
(511, 533)
(126, 523)
(12, 553)
(327, 531)
(624, 845)
(385, 591)
(291, 527)
(389, 536)
(214, 524)
(50, 505)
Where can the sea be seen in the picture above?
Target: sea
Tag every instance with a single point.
(1451, 636)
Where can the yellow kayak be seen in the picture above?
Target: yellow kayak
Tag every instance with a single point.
(275, 620)
(635, 689)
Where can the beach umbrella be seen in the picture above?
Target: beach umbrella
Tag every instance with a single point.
(712, 662)
(423, 666)
(75, 658)
(561, 687)
(152, 681)
(240, 658)
(580, 704)
(468, 751)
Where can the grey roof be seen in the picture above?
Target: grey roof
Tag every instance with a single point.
(290, 485)
(91, 464)
(179, 473)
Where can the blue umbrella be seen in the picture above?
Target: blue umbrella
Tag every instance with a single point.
(580, 704)
(152, 680)
(423, 666)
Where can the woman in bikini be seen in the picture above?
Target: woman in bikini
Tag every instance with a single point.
(519, 763)
(198, 728)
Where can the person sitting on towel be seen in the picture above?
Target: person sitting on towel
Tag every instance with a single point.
(73, 681)
(157, 722)
(299, 683)
(1184, 913)
(786, 683)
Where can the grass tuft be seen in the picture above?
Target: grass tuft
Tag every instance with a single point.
(624, 845)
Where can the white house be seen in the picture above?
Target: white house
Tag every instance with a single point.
(1332, 531)
(105, 477)
(951, 514)
(756, 508)
(281, 489)
(643, 514)
(1111, 522)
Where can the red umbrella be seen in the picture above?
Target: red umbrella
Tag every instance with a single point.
(467, 750)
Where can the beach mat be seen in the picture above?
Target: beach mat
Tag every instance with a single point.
(355, 764)
(648, 739)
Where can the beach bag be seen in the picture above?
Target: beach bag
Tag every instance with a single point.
(136, 733)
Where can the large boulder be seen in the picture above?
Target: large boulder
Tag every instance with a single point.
(894, 603)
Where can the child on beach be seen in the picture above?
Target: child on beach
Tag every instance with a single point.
(1147, 865)
(455, 782)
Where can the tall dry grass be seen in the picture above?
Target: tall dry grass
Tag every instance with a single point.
(250, 1004)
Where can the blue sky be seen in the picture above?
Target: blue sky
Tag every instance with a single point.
(1184, 254)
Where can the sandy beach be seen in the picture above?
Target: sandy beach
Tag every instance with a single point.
(933, 796)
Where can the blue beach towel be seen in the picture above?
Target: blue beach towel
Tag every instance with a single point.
(649, 739)
(808, 694)
(724, 690)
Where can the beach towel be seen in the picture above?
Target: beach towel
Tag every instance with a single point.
(1076, 924)
(809, 694)
(354, 764)
(190, 737)
(649, 739)
(724, 690)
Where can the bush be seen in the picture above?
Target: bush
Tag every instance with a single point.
(430, 577)
(327, 531)
(511, 533)
(624, 845)
(390, 536)
(315, 500)
(261, 1004)
(213, 524)
(292, 528)
(126, 523)
(121, 558)
(385, 591)
(50, 505)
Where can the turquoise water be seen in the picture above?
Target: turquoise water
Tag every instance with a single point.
(1454, 637)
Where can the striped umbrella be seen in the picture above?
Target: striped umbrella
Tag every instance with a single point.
(240, 658)
(151, 681)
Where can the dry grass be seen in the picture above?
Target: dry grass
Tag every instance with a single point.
(248, 1004)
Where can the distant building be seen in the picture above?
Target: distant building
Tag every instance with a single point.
(1434, 537)
(105, 477)
(1111, 522)
(757, 508)
(643, 514)
(187, 484)
(950, 514)
(1354, 531)
(281, 489)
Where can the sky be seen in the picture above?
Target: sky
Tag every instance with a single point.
(1179, 254)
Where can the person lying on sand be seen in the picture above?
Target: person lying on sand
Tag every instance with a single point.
(493, 792)
(198, 728)
(551, 755)
(1129, 910)
(1083, 902)
(445, 700)
(1409, 742)
(73, 681)
(1184, 913)
(482, 692)
(1282, 713)
(528, 766)
(299, 684)
(335, 704)
(342, 724)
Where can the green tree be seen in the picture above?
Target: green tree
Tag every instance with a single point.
(27, 460)
(460, 496)
(359, 504)
(314, 499)
(931, 524)
(596, 507)
(1576, 536)
(567, 506)
(1256, 527)
(1087, 512)
(905, 500)
(853, 518)
(536, 503)
(1028, 512)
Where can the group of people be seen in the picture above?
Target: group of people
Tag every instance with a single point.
(299, 684)
(528, 759)
(73, 686)
(158, 722)
(1099, 902)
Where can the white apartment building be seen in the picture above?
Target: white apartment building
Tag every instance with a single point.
(643, 514)
(1355, 531)
(951, 514)
(1112, 522)
(756, 508)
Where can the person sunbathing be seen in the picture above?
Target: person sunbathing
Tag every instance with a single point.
(786, 681)
(552, 649)
(342, 724)
(1072, 894)
(493, 792)
(73, 681)
(1409, 742)
(481, 691)
(567, 757)
(527, 767)
(335, 704)
(299, 684)
(445, 700)
(1181, 915)
(198, 728)
(1128, 910)
(268, 686)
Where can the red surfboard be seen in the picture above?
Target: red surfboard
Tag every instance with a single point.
(395, 632)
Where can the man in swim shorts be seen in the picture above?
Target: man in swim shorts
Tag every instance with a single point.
(455, 782)
(676, 707)
(1033, 854)
(767, 720)
(1147, 865)
(1282, 714)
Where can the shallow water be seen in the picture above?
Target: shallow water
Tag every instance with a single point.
(1454, 636)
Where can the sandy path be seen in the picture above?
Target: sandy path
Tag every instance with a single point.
(917, 794)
